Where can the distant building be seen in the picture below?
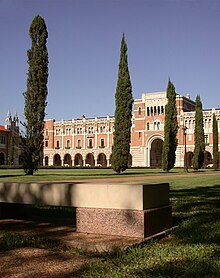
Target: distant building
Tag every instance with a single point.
(8, 133)
(88, 141)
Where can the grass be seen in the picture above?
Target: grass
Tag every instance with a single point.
(191, 250)
(17, 175)
(9, 241)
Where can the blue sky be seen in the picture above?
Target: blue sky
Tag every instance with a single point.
(178, 39)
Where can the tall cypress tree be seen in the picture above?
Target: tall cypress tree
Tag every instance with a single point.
(170, 130)
(35, 96)
(215, 142)
(123, 114)
(11, 151)
(199, 142)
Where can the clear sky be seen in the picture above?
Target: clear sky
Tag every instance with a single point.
(179, 39)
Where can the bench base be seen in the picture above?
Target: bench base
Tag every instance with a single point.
(124, 222)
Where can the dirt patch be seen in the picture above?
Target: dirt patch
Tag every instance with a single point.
(34, 262)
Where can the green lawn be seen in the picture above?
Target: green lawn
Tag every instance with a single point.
(87, 173)
(191, 250)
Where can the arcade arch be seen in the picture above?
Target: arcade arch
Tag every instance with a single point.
(189, 156)
(46, 161)
(57, 160)
(67, 160)
(2, 158)
(101, 160)
(78, 160)
(90, 161)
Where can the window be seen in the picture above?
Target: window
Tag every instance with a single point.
(90, 130)
(46, 134)
(102, 129)
(139, 135)
(139, 111)
(148, 126)
(156, 125)
(57, 131)
(68, 131)
(148, 111)
(90, 143)
(46, 143)
(158, 110)
(102, 145)
(67, 144)
(162, 109)
(78, 144)
(57, 144)
(2, 140)
(79, 130)
(206, 139)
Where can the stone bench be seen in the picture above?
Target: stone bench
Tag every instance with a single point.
(134, 210)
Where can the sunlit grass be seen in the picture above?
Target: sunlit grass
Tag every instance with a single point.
(17, 175)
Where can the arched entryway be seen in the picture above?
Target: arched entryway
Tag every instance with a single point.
(67, 160)
(207, 158)
(156, 153)
(57, 160)
(189, 156)
(90, 161)
(2, 158)
(78, 160)
(46, 161)
(101, 160)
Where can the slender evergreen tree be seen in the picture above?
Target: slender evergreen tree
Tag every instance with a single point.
(215, 142)
(123, 114)
(35, 96)
(199, 141)
(170, 130)
(11, 152)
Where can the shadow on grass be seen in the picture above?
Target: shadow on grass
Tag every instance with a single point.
(197, 214)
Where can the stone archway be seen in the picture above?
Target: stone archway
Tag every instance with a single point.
(57, 160)
(2, 158)
(101, 160)
(189, 156)
(207, 158)
(46, 161)
(67, 160)
(90, 161)
(78, 160)
(156, 153)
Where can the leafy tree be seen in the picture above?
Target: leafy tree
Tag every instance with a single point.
(123, 114)
(35, 96)
(170, 130)
(215, 142)
(199, 142)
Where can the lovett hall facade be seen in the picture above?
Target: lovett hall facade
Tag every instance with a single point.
(88, 141)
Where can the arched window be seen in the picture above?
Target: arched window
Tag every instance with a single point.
(157, 125)
(102, 129)
(90, 130)
(139, 111)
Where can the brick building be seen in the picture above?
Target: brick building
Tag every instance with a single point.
(88, 141)
(8, 133)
